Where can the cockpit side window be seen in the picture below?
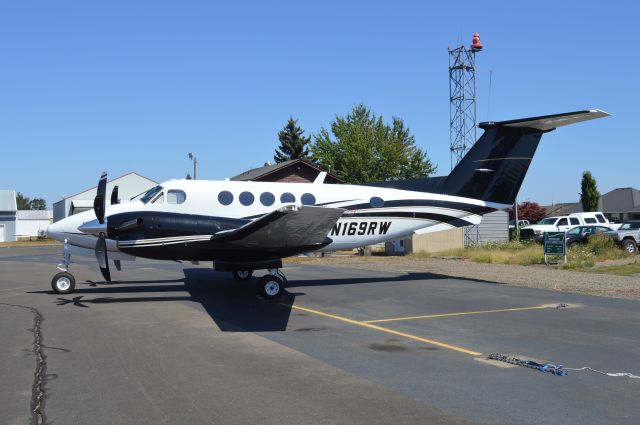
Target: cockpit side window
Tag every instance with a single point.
(150, 194)
(175, 196)
(159, 199)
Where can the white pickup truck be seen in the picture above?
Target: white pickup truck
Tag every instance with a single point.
(561, 224)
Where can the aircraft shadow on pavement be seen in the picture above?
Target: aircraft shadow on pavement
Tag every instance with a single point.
(233, 306)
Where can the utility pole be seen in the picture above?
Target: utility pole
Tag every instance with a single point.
(195, 164)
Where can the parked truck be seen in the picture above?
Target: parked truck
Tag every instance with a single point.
(561, 224)
(627, 236)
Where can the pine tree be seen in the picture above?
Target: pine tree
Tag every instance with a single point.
(589, 197)
(293, 145)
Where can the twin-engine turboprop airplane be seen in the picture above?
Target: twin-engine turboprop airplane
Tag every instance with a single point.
(247, 226)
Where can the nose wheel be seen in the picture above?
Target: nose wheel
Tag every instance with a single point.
(63, 283)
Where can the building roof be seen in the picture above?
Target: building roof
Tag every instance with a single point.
(256, 173)
(622, 199)
(34, 215)
(563, 208)
(110, 181)
(8, 200)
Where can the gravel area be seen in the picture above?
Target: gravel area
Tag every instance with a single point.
(538, 276)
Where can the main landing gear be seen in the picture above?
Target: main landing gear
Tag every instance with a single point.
(64, 282)
(270, 286)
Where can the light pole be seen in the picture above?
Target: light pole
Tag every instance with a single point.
(195, 164)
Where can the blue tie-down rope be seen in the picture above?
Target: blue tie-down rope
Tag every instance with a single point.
(557, 370)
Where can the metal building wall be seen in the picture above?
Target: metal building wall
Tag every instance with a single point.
(494, 227)
(8, 219)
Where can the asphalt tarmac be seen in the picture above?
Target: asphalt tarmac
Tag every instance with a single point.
(177, 343)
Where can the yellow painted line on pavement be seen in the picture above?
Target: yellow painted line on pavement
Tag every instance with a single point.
(390, 331)
(466, 313)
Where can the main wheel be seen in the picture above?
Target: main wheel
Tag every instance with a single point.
(63, 283)
(629, 246)
(270, 287)
(242, 274)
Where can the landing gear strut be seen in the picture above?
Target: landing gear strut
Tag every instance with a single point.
(64, 282)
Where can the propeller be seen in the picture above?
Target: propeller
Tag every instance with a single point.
(114, 195)
(99, 208)
(98, 201)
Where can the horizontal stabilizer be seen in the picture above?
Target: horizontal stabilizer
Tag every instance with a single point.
(548, 122)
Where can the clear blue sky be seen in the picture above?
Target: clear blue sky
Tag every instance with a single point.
(136, 85)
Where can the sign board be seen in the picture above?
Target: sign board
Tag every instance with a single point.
(554, 244)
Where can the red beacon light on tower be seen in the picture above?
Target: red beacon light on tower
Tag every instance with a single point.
(476, 45)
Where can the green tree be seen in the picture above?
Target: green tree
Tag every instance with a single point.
(23, 202)
(293, 145)
(37, 204)
(365, 149)
(589, 197)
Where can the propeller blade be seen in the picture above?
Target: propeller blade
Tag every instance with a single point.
(114, 195)
(101, 256)
(99, 200)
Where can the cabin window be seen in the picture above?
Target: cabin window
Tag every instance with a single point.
(308, 199)
(176, 196)
(562, 222)
(590, 220)
(600, 218)
(376, 202)
(225, 197)
(246, 198)
(574, 221)
(287, 198)
(267, 199)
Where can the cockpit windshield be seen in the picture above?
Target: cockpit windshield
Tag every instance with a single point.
(150, 194)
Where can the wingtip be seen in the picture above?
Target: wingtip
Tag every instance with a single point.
(600, 112)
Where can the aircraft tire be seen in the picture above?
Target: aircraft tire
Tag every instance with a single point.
(270, 287)
(242, 274)
(63, 283)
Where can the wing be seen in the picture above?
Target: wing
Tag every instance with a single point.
(287, 227)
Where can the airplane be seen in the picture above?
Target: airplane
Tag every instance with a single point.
(243, 226)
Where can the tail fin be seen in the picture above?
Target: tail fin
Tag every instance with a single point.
(495, 166)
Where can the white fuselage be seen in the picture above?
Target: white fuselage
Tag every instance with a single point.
(393, 213)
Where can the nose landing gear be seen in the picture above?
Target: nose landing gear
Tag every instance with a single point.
(64, 282)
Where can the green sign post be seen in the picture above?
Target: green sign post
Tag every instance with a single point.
(555, 244)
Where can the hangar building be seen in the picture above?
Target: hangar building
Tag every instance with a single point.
(129, 186)
(32, 223)
(8, 209)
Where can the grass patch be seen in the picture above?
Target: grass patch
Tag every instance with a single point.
(630, 269)
(513, 252)
(599, 249)
(27, 242)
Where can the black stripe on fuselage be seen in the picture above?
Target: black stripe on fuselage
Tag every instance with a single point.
(441, 218)
(470, 208)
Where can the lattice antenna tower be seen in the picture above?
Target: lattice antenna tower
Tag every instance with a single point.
(462, 98)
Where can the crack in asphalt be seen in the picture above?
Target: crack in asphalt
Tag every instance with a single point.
(38, 392)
